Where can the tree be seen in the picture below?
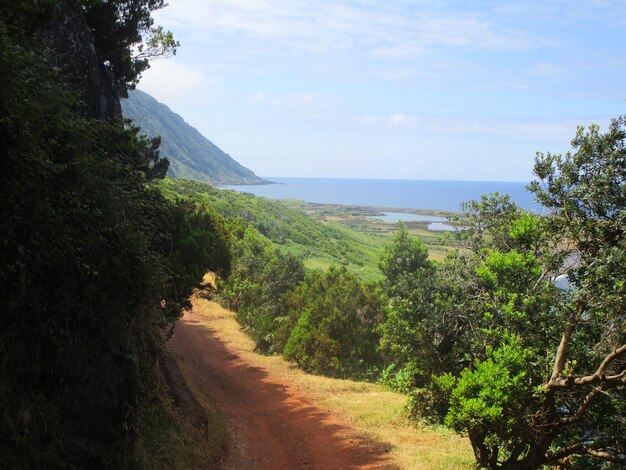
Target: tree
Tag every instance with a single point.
(88, 261)
(126, 38)
(547, 382)
(444, 316)
(259, 283)
(334, 318)
(586, 192)
(409, 288)
(403, 261)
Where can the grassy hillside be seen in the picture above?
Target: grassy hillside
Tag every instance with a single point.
(318, 244)
(191, 154)
(363, 220)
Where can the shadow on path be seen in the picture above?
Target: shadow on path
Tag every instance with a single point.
(271, 426)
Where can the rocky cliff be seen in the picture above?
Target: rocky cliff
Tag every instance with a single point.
(73, 41)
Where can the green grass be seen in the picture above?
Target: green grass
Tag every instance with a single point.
(319, 264)
(320, 235)
(290, 230)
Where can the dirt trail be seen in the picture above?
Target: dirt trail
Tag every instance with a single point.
(272, 425)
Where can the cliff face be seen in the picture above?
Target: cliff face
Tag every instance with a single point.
(191, 155)
(73, 41)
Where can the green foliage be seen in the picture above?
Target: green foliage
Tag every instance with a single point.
(526, 231)
(533, 373)
(507, 272)
(193, 238)
(144, 154)
(399, 380)
(266, 286)
(402, 260)
(490, 399)
(117, 26)
(289, 230)
(487, 223)
(158, 44)
(88, 266)
(258, 284)
(585, 188)
(414, 333)
(585, 191)
(335, 318)
(23, 16)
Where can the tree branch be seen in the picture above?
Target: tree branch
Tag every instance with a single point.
(554, 457)
(580, 448)
(583, 407)
(559, 360)
(605, 455)
(610, 358)
(598, 376)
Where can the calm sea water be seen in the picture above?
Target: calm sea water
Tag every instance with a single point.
(406, 194)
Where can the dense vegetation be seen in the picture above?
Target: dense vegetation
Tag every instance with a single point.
(487, 341)
(191, 155)
(318, 245)
(323, 321)
(93, 261)
(100, 253)
(276, 300)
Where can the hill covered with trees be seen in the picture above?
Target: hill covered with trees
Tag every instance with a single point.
(191, 155)
(316, 244)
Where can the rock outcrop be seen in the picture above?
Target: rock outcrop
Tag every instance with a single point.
(77, 56)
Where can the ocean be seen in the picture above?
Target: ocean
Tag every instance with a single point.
(404, 194)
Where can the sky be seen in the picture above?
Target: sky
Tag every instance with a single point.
(396, 89)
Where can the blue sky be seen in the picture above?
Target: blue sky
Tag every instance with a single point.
(393, 89)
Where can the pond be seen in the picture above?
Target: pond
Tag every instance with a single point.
(437, 223)
(395, 217)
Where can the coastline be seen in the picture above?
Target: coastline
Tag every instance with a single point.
(410, 196)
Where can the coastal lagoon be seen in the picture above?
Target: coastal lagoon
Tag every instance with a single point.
(437, 223)
(394, 217)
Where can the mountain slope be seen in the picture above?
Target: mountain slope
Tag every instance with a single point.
(191, 155)
(318, 245)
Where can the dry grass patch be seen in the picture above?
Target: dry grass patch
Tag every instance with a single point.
(369, 408)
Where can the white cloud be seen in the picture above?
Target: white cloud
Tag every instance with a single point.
(368, 120)
(455, 127)
(402, 119)
(302, 104)
(259, 96)
(168, 80)
(339, 37)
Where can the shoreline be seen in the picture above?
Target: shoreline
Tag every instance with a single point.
(406, 196)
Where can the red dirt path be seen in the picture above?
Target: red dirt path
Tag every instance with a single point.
(272, 426)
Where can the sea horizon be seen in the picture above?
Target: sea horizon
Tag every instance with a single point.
(439, 195)
(269, 179)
